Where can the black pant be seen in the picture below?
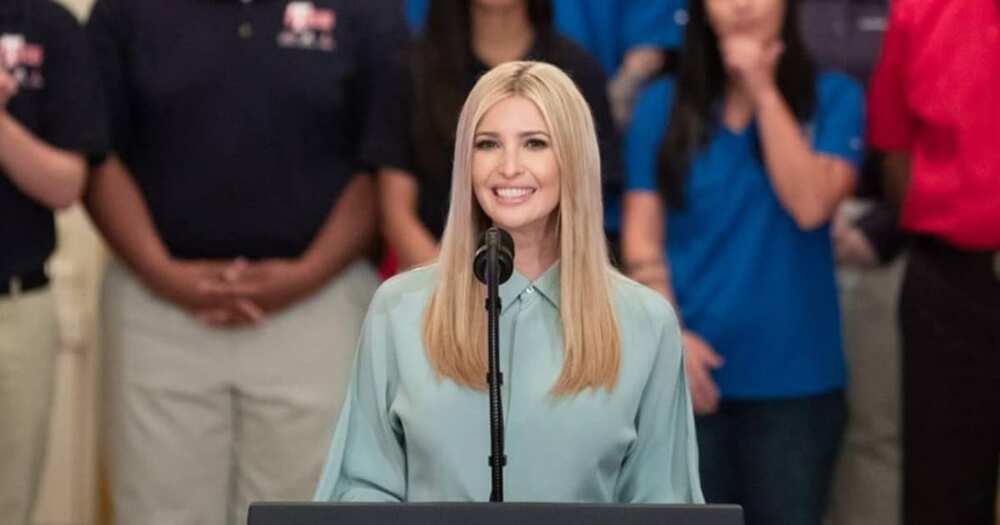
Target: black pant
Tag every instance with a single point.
(773, 457)
(950, 321)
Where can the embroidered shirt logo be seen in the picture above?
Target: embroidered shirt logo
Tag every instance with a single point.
(22, 60)
(308, 27)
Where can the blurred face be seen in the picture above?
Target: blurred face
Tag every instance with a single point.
(515, 176)
(759, 19)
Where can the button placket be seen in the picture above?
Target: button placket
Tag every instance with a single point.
(507, 365)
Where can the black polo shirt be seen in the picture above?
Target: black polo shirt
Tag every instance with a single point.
(58, 102)
(396, 147)
(241, 120)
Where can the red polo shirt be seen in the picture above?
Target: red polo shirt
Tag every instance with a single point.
(936, 95)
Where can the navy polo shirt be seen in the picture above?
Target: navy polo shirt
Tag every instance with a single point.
(241, 121)
(59, 102)
(746, 278)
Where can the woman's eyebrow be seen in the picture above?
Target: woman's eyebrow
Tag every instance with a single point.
(494, 134)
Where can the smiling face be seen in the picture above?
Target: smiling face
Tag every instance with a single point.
(515, 174)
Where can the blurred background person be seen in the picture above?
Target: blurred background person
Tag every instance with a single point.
(417, 111)
(51, 125)
(733, 173)
(235, 206)
(935, 112)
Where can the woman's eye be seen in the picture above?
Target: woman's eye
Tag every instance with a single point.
(485, 144)
(536, 144)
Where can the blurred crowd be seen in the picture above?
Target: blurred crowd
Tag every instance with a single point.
(813, 184)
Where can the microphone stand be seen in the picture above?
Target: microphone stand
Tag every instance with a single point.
(497, 459)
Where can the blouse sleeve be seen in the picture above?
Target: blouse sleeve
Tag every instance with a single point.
(367, 461)
(662, 465)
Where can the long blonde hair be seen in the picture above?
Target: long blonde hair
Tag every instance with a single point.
(454, 330)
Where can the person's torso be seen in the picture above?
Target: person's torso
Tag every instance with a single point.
(559, 448)
(952, 74)
(245, 119)
(746, 278)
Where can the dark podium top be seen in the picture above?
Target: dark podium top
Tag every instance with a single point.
(490, 513)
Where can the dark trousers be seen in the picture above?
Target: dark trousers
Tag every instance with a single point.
(950, 320)
(773, 457)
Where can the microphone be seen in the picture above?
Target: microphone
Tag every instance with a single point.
(493, 265)
(504, 246)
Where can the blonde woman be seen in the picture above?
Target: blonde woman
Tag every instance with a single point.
(596, 404)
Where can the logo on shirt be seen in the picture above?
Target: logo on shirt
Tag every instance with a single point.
(308, 27)
(22, 60)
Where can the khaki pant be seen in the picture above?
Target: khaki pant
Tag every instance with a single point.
(866, 489)
(202, 422)
(28, 341)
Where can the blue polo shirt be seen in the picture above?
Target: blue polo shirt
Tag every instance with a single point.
(747, 279)
(605, 28)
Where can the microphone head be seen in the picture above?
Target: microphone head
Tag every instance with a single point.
(505, 254)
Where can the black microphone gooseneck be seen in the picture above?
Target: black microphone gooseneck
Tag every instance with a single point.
(493, 265)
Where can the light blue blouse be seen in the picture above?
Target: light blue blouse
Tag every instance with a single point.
(406, 435)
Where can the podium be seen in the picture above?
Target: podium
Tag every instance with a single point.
(490, 514)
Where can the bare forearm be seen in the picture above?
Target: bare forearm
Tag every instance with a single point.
(409, 238)
(51, 176)
(801, 179)
(347, 234)
(119, 211)
(642, 62)
(642, 242)
(412, 242)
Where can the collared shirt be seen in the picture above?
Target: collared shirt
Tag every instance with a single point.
(406, 435)
(241, 121)
(58, 101)
(935, 95)
(759, 289)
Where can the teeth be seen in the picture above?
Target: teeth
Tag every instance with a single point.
(513, 193)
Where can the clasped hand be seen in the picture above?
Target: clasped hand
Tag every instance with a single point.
(234, 294)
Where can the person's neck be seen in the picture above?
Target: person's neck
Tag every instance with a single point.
(737, 107)
(501, 34)
(535, 251)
